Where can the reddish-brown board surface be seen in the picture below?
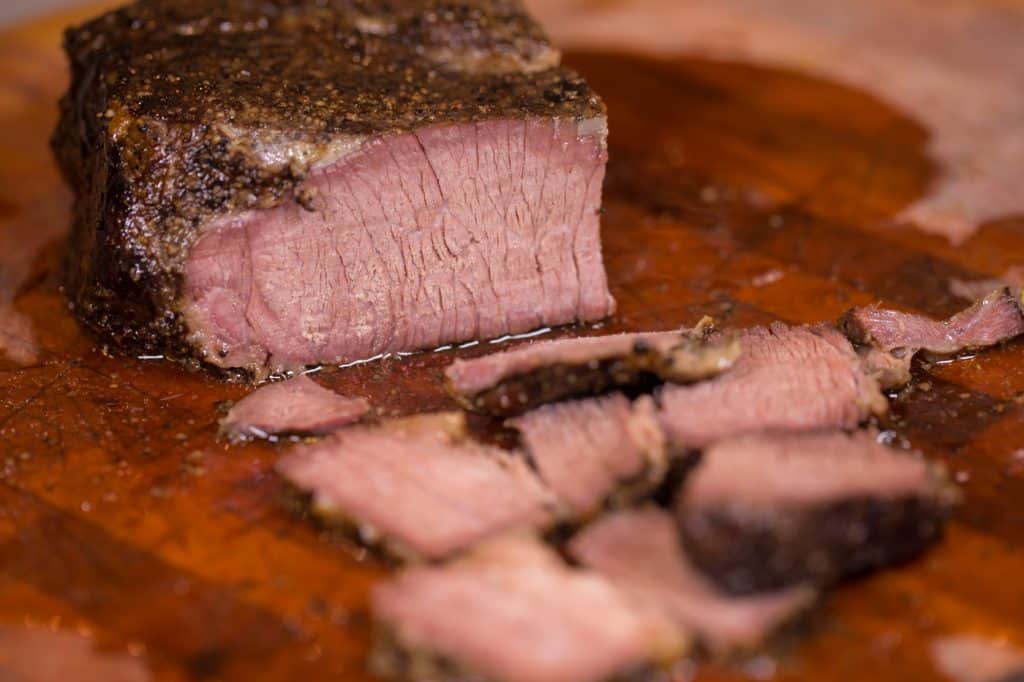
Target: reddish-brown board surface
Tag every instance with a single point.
(737, 191)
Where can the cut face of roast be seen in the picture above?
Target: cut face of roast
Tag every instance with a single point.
(639, 552)
(769, 511)
(298, 406)
(267, 185)
(418, 487)
(786, 378)
(450, 233)
(512, 611)
(512, 382)
(590, 451)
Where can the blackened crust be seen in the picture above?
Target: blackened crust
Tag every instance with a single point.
(695, 358)
(174, 105)
(746, 553)
(520, 394)
(391, 658)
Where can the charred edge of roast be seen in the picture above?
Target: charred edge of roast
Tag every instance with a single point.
(302, 505)
(158, 134)
(641, 371)
(1017, 676)
(745, 555)
(392, 658)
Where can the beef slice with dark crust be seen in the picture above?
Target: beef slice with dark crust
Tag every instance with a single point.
(511, 610)
(763, 512)
(261, 186)
(515, 381)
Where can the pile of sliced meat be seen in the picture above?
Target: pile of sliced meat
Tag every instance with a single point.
(784, 489)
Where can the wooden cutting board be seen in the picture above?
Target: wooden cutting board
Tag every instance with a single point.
(733, 191)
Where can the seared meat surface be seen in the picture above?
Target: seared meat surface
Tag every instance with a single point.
(762, 512)
(263, 186)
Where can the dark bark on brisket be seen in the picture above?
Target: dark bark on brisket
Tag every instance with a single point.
(511, 383)
(746, 555)
(767, 511)
(185, 114)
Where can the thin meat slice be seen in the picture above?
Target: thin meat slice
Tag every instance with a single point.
(510, 383)
(967, 658)
(588, 451)
(420, 487)
(296, 406)
(786, 378)
(639, 551)
(996, 318)
(764, 512)
(512, 611)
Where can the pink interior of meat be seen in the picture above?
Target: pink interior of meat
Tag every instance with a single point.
(584, 449)
(419, 488)
(512, 611)
(298, 405)
(451, 233)
(787, 378)
(997, 317)
(473, 376)
(967, 658)
(640, 552)
(773, 470)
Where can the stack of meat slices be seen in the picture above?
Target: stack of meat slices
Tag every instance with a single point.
(788, 490)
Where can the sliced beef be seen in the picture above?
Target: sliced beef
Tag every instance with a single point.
(512, 611)
(639, 552)
(976, 289)
(510, 383)
(267, 185)
(786, 378)
(297, 406)
(966, 658)
(420, 487)
(996, 318)
(763, 512)
(588, 451)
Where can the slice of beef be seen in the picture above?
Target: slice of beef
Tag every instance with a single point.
(298, 406)
(996, 318)
(967, 658)
(590, 451)
(419, 487)
(786, 378)
(512, 611)
(510, 383)
(763, 512)
(977, 289)
(639, 551)
(267, 185)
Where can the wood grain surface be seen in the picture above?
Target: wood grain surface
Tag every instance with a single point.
(742, 192)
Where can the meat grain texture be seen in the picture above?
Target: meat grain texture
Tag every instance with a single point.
(512, 611)
(786, 378)
(298, 406)
(419, 487)
(264, 186)
(589, 452)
